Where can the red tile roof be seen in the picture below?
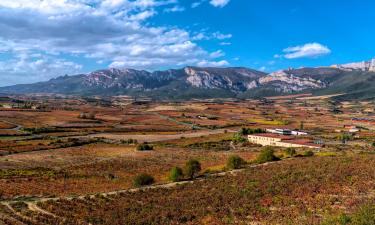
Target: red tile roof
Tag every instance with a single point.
(282, 137)
(306, 142)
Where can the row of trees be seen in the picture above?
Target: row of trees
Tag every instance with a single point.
(193, 166)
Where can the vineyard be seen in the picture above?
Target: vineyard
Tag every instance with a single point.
(298, 191)
(87, 162)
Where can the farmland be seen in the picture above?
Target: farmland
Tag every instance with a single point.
(74, 161)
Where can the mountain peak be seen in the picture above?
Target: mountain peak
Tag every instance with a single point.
(362, 66)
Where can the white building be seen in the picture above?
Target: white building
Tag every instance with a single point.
(281, 141)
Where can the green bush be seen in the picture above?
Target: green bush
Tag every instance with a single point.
(267, 155)
(247, 131)
(238, 138)
(192, 167)
(290, 152)
(145, 147)
(176, 174)
(308, 153)
(235, 162)
(143, 179)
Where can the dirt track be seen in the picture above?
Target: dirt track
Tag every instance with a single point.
(158, 137)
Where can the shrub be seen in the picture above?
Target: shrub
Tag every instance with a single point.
(143, 179)
(145, 147)
(129, 141)
(192, 167)
(266, 155)
(176, 174)
(238, 138)
(247, 131)
(235, 162)
(309, 153)
(290, 152)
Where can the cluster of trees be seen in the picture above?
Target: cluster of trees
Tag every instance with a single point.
(193, 166)
(191, 169)
(129, 141)
(145, 147)
(247, 131)
(239, 137)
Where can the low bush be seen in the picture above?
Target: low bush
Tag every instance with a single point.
(143, 179)
(176, 174)
(308, 153)
(145, 147)
(247, 131)
(267, 155)
(129, 141)
(235, 162)
(192, 167)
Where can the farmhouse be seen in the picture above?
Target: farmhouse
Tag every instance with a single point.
(281, 141)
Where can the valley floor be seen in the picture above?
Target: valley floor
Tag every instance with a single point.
(75, 162)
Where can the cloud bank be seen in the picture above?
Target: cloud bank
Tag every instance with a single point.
(44, 39)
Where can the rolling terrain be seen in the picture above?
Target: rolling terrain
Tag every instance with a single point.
(354, 82)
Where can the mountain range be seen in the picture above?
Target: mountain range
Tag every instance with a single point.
(353, 81)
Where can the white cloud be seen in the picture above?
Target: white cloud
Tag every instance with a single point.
(175, 8)
(309, 50)
(221, 36)
(26, 68)
(225, 43)
(114, 32)
(216, 35)
(217, 54)
(196, 4)
(205, 63)
(219, 3)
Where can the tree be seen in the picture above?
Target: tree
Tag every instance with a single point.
(192, 167)
(238, 138)
(176, 174)
(235, 162)
(345, 138)
(267, 155)
(145, 147)
(143, 179)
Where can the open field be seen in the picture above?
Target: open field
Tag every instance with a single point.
(72, 149)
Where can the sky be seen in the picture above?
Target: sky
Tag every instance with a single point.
(43, 39)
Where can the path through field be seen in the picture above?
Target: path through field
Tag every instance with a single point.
(159, 137)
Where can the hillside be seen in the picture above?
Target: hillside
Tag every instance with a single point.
(195, 82)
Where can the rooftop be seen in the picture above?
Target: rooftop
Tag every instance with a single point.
(270, 135)
(306, 142)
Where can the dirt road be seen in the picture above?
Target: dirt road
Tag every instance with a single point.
(159, 137)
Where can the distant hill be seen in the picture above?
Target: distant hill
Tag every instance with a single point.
(195, 82)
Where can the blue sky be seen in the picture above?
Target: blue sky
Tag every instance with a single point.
(40, 40)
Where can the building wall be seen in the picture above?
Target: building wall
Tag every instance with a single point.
(264, 141)
(277, 142)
